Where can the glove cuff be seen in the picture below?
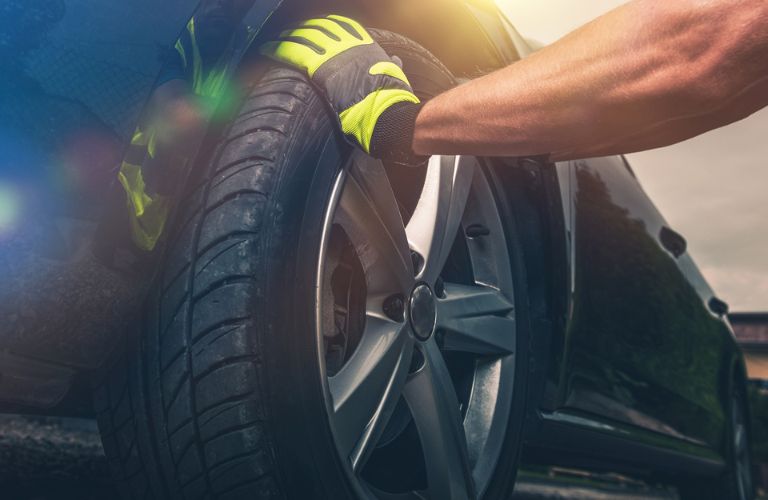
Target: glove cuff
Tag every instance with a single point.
(392, 138)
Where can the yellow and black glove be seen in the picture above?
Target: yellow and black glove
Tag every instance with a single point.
(367, 88)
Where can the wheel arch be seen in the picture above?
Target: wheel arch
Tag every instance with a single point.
(739, 370)
(471, 37)
(740, 377)
(532, 190)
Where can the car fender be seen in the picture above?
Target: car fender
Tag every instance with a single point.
(74, 280)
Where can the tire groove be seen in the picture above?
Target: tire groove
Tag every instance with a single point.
(176, 310)
(179, 427)
(171, 361)
(229, 236)
(219, 412)
(230, 399)
(223, 363)
(249, 158)
(144, 367)
(176, 391)
(263, 111)
(187, 446)
(196, 254)
(226, 332)
(224, 322)
(229, 175)
(221, 283)
(168, 284)
(254, 130)
(234, 428)
(234, 195)
(219, 254)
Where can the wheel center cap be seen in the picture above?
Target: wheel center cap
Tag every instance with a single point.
(422, 312)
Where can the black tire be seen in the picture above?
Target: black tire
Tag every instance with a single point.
(729, 486)
(221, 398)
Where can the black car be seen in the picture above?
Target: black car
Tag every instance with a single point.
(191, 253)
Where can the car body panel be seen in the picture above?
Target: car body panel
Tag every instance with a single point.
(668, 409)
(618, 447)
(82, 68)
(74, 81)
(74, 89)
(642, 347)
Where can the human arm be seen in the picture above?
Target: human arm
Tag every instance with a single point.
(645, 75)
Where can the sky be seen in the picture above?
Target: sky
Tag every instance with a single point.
(712, 189)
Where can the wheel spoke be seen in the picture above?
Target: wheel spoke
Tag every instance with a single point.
(740, 441)
(476, 319)
(745, 478)
(369, 214)
(365, 392)
(432, 229)
(435, 408)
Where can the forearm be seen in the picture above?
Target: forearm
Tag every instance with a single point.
(645, 75)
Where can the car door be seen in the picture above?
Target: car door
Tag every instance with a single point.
(641, 346)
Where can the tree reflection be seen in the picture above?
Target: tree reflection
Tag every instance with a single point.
(642, 338)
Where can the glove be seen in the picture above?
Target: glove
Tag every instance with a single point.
(367, 89)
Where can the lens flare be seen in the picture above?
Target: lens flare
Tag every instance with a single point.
(10, 208)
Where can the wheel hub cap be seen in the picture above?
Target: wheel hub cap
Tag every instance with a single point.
(422, 312)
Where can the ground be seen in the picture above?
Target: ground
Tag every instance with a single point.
(62, 459)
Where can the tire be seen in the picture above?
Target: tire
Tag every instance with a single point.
(737, 483)
(226, 394)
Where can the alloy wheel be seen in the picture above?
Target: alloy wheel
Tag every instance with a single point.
(741, 451)
(416, 330)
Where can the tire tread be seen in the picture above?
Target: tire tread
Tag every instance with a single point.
(202, 442)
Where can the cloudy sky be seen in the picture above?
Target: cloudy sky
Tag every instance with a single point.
(712, 189)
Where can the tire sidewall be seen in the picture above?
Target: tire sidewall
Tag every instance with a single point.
(504, 478)
(305, 445)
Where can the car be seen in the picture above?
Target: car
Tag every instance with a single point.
(192, 254)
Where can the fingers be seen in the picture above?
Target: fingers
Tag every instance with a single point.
(352, 27)
(391, 69)
(316, 41)
(331, 28)
(335, 29)
(293, 53)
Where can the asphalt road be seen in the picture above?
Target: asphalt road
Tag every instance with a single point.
(52, 459)
(55, 459)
